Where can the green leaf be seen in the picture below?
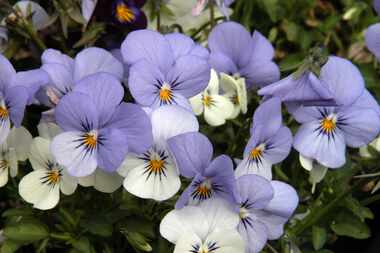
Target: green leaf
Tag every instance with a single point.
(26, 232)
(348, 224)
(291, 62)
(138, 241)
(271, 8)
(83, 245)
(100, 228)
(91, 35)
(319, 236)
(17, 212)
(10, 246)
(360, 211)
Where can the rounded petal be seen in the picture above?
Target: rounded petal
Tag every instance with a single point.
(218, 111)
(4, 177)
(192, 152)
(68, 183)
(328, 151)
(7, 72)
(5, 126)
(255, 191)
(222, 63)
(171, 120)
(255, 236)
(197, 104)
(107, 182)
(42, 195)
(260, 73)
(16, 99)
(105, 91)
(135, 125)
(372, 39)
(278, 147)
(76, 158)
(150, 46)
(180, 44)
(335, 74)
(76, 111)
(306, 163)
(269, 115)
(189, 219)
(94, 60)
(48, 130)
(262, 168)
(112, 149)
(39, 155)
(61, 76)
(232, 40)
(262, 48)
(88, 7)
(284, 201)
(56, 57)
(189, 76)
(228, 240)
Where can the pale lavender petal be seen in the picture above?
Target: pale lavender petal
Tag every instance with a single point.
(55, 56)
(376, 5)
(135, 125)
(61, 77)
(76, 111)
(260, 73)
(180, 44)
(105, 91)
(273, 223)
(269, 115)
(372, 39)
(255, 236)
(222, 63)
(278, 147)
(192, 152)
(232, 40)
(112, 149)
(7, 72)
(148, 45)
(262, 49)
(94, 60)
(143, 82)
(335, 74)
(189, 76)
(200, 51)
(367, 101)
(328, 151)
(255, 191)
(304, 114)
(284, 201)
(16, 99)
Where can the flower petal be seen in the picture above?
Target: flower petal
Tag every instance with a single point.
(278, 147)
(222, 63)
(4, 177)
(68, 183)
(61, 76)
(372, 39)
(284, 201)
(16, 99)
(55, 56)
(20, 139)
(255, 190)
(39, 155)
(7, 73)
(94, 60)
(88, 7)
(262, 168)
(219, 111)
(255, 236)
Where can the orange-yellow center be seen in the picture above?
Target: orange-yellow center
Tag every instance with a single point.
(53, 176)
(328, 125)
(165, 95)
(124, 14)
(207, 100)
(156, 166)
(3, 112)
(90, 140)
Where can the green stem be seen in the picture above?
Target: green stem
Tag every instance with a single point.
(34, 36)
(63, 237)
(212, 14)
(370, 200)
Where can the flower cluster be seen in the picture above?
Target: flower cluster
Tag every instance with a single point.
(90, 136)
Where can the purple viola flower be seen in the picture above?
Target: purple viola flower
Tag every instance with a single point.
(64, 72)
(128, 12)
(235, 52)
(16, 89)
(326, 131)
(165, 69)
(270, 141)
(98, 128)
(373, 33)
(210, 178)
(265, 207)
(328, 89)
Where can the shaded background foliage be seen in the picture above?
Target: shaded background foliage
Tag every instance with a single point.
(339, 213)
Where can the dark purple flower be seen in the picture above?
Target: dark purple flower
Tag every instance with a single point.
(328, 89)
(128, 12)
(165, 69)
(270, 141)
(326, 131)
(210, 178)
(98, 128)
(265, 207)
(235, 52)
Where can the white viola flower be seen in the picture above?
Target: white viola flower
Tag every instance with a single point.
(102, 181)
(364, 151)
(209, 227)
(316, 170)
(215, 107)
(153, 174)
(235, 90)
(48, 130)
(39, 17)
(42, 186)
(13, 150)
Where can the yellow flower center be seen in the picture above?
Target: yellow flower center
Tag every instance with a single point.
(207, 100)
(90, 140)
(156, 166)
(4, 113)
(203, 191)
(53, 176)
(124, 14)
(166, 95)
(256, 153)
(328, 124)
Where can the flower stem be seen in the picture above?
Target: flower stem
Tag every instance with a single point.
(212, 14)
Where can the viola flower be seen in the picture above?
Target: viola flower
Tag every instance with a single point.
(236, 92)
(98, 128)
(326, 131)
(209, 227)
(270, 141)
(164, 70)
(64, 72)
(328, 89)
(152, 174)
(210, 178)
(102, 181)
(372, 34)
(42, 187)
(13, 99)
(13, 150)
(88, 8)
(265, 208)
(251, 58)
(128, 12)
(216, 108)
